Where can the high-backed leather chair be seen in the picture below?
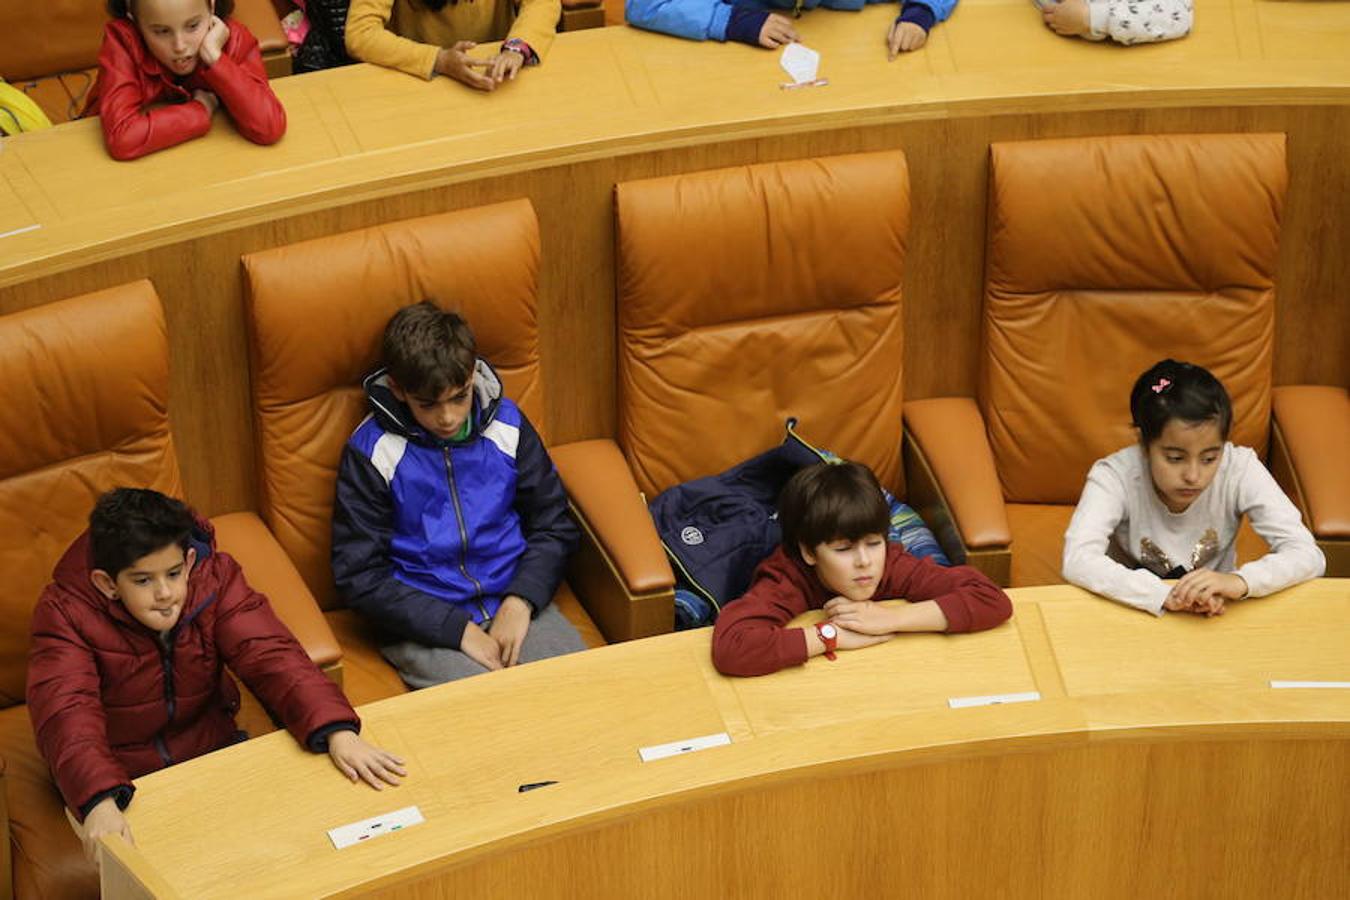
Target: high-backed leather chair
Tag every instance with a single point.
(745, 296)
(316, 312)
(51, 48)
(89, 412)
(1104, 255)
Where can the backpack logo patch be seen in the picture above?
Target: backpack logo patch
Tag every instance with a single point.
(691, 536)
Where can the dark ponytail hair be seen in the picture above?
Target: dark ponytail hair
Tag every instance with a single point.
(1177, 390)
(123, 9)
(437, 5)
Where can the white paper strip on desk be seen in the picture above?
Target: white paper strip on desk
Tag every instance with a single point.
(801, 62)
(993, 699)
(1310, 684)
(359, 832)
(675, 748)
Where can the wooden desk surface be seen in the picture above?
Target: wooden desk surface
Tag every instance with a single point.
(251, 820)
(364, 132)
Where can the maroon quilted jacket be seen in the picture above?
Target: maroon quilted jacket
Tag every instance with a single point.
(110, 702)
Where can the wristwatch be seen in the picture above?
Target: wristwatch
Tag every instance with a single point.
(829, 636)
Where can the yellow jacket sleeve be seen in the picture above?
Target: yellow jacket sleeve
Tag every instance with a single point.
(536, 24)
(370, 40)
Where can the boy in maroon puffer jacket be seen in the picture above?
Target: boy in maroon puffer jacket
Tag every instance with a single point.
(126, 668)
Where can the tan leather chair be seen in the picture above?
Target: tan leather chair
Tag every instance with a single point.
(316, 311)
(1104, 255)
(91, 414)
(50, 51)
(746, 296)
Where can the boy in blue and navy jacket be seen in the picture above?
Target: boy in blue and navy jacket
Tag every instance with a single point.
(760, 23)
(450, 529)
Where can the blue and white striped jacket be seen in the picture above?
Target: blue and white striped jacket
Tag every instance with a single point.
(429, 535)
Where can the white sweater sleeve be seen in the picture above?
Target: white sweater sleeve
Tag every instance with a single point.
(1099, 511)
(1294, 556)
(1139, 21)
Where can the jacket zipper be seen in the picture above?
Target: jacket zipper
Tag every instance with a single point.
(166, 660)
(463, 537)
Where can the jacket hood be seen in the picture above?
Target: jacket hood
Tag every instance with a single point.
(394, 415)
(71, 574)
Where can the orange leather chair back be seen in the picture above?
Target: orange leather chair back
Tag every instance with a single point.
(751, 294)
(1106, 255)
(87, 412)
(316, 313)
(50, 36)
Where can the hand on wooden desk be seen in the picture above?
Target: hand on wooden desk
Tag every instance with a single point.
(904, 37)
(455, 62)
(777, 31)
(1204, 592)
(104, 818)
(505, 65)
(207, 99)
(509, 627)
(870, 617)
(1067, 17)
(357, 759)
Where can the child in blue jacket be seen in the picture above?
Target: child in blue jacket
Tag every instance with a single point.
(450, 528)
(759, 24)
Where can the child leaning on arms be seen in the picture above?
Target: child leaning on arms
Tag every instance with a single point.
(1169, 507)
(166, 66)
(766, 23)
(1123, 21)
(835, 557)
(126, 667)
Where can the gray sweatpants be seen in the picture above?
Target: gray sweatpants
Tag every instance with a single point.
(421, 666)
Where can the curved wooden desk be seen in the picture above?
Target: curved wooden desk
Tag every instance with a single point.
(367, 145)
(1159, 762)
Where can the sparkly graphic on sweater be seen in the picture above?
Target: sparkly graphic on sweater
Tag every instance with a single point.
(1153, 558)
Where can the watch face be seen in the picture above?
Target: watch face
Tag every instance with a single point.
(829, 632)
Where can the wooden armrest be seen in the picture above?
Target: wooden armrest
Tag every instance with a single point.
(6, 861)
(953, 484)
(620, 572)
(270, 571)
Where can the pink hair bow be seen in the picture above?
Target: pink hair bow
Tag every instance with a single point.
(1161, 386)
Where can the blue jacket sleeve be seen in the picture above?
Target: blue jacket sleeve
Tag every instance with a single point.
(941, 9)
(550, 533)
(362, 530)
(697, 20)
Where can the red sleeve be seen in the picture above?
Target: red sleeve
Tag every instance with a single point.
(65, 704)
(239, 80)
(130, 131)
(749, 637)
(969, 600)
(263, 652)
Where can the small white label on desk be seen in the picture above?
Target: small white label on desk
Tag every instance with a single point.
(1310, 684)
(993, 699)
(358, 832)
(675, 748)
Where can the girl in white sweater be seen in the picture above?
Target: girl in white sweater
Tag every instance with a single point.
(1169, 507)
(1123, 21)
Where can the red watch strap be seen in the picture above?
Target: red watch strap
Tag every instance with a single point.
(830, 642)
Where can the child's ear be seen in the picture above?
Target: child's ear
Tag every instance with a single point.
(399, 394)
(189, 558)
(808, 554)
(104, 583)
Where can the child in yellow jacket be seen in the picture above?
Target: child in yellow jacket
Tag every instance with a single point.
(433, 37)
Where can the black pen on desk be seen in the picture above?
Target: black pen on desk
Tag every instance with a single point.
(533, 785)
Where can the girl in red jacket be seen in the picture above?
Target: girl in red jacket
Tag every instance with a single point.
(167, 65)
(835, 557)
(126, 665)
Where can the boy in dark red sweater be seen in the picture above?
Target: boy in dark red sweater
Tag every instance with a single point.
(835, 556)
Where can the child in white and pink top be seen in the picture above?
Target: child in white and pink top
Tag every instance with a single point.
(1169, 507)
